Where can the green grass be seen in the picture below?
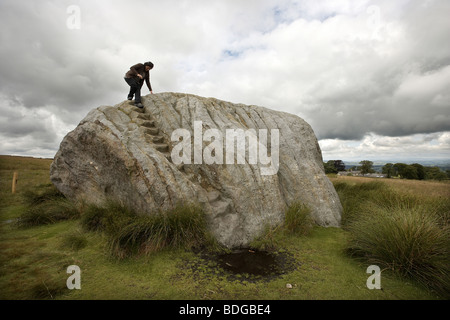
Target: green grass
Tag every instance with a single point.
(298, 219)
(46, 207)
(132, 234)
(402, 232)
(34, 259)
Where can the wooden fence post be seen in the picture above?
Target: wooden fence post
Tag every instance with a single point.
(14, 182)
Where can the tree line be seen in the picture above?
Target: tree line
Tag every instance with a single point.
(391, 170)
(414, 171)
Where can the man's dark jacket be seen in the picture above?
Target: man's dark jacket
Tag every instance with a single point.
(139, 69)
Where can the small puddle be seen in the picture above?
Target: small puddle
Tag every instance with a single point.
(244, 265)
(258, 263)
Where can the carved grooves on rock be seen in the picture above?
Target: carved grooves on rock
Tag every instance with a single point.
(152, 132)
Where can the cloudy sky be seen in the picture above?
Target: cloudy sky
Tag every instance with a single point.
(371, 77)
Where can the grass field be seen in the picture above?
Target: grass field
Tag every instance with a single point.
(34, 259)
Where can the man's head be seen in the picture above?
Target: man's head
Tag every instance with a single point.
(148, 66)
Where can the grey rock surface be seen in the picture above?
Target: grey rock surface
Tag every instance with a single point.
(127, 154)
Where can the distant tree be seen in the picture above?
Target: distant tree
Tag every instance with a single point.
(416, 171)
(434, 173)
(389, 170)
(400, 169)
(339, 165)
(410, 172)
(366, 167)
(407, 171)
(329, 167)
(420, 171)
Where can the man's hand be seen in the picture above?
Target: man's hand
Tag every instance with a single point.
(140, 76)
(151, 92)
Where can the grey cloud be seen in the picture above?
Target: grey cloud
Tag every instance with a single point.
(314, 59)
(402, 93)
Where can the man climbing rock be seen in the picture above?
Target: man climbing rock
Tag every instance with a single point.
(135, 78)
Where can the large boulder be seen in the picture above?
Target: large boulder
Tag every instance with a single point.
(182, 148)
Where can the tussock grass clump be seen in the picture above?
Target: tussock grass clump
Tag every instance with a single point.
(75, 240)
(46, 207)
(131, 233)
(46, 193)
(184, 226)
(406, 233)
(408, 241)
(298, 219)
(354, 196)
(108, 218)
(43, 288)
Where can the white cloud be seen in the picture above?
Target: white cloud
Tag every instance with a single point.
(36, 132)
(431, 87)
(435, 146)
